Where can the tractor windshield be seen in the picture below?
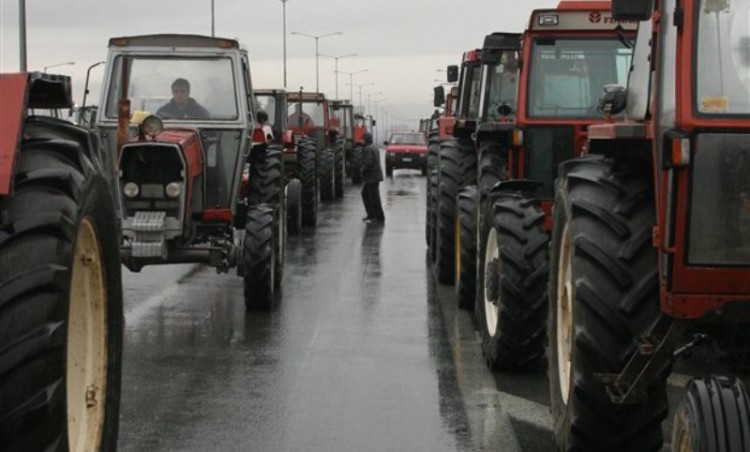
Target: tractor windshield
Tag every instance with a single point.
(503, 87)
(723, 57)
(310, 113)
(567, 75)
(177, 88)
(267, 104)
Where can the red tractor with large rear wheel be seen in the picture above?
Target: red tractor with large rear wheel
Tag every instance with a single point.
(61, 318)
(650, 252)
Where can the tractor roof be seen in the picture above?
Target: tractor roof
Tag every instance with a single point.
(173, 40)
(577, 16)
(296, 96)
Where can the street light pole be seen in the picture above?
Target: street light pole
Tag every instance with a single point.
(336, 69)
(317, 66)
(369, 101)
(351, 83)
(283, 10)
(22, 33)
(212, 18)
(361, 105)
(68, 63)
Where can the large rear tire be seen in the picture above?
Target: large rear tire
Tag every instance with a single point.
(603, 297)
(61, 318)
(259, 257)
(466, 247)
(456, 169)
(306, 174)
(327, 175)
(713, 417)
(513, 274)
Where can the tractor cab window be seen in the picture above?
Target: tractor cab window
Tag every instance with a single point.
(723, 57)
(311, 114)
(177, 88)
(267, 104)
(567, 75)
(503, 87)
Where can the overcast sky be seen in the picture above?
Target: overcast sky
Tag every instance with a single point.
(401, 43)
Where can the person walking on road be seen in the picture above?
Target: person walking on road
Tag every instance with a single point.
(372, 176)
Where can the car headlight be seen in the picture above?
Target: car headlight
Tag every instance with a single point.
(130, 189)
(174, 189)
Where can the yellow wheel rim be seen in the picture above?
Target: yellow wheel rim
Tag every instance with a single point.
(86, 377)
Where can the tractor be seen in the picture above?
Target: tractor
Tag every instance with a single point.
(298, 162)
(61, 313)
(342, 120)
(456, 166)
(650, 249)
(310, 122)
(181, 162)
(565, 53)
(362, 124)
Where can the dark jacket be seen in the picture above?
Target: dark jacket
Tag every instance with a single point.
(372, 172)
(193, 110)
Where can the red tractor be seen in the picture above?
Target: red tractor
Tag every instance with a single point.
(457, 161)
(298, 161)
(181, 159)
(310, 122)
(362, 124)
(650, 252)
(61, 318)
(565, 54)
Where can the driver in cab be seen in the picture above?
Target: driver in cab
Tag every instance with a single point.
(182, 106)
(300, 117)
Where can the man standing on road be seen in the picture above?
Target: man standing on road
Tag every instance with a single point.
(372, 176)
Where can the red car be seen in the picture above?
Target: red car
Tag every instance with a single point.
(406, 150)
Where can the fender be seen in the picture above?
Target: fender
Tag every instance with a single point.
(13, 112)
(524, 185)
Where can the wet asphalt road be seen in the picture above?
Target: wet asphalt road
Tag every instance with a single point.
(364, 351)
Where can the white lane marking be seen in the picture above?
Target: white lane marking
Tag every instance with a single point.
(142, 309)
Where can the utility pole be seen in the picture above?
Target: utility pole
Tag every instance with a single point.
(22, 33)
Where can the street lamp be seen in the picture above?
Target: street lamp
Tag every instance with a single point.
(283, 9)
(212, 18)
(316, 38)
(359, 87)
(369, 100)
(68, 63)
(351, 82)
(336, 60)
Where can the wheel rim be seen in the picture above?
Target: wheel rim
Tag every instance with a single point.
(491, 280)
(457, 249)
(86, 374)
(564, 315)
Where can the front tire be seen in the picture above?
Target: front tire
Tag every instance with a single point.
(306, 174)
(259, 257)
(327, 179)
(294, 206)
(466, 247)
(603, 296)
(511, 294)
(713, 417)
(61, 318)
(339, 170)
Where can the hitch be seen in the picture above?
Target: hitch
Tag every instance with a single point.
(699, 339)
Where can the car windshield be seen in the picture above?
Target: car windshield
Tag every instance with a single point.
(723, 42)
(407, 138)
(178, 88)
(568, 75)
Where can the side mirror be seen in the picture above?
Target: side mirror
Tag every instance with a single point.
(613, 100)
(385, 143)
(452, 72)
(374, 123)
(439, 96)
(636, 10)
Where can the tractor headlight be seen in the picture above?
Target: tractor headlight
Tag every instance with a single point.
(174, 189)
(152, 125)
(130, 190)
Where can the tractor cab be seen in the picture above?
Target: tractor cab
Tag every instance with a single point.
(569, 54)
(462, 102)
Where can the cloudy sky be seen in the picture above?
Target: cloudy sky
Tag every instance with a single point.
(401, 43)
